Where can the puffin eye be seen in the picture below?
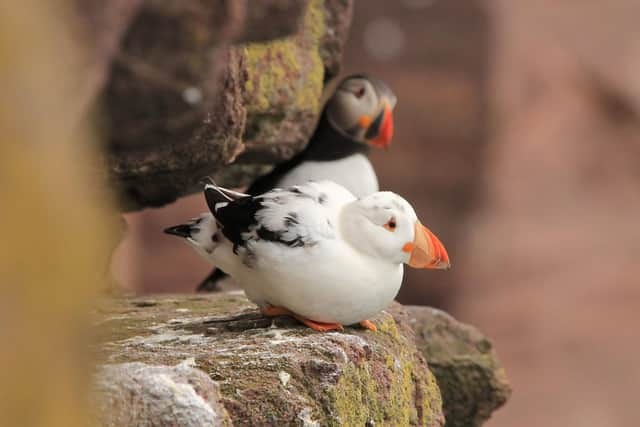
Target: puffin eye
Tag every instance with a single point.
(391, 224)
(359, 93)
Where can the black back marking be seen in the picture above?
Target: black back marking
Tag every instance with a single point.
(277, 237)
(291, 219)
(238, 222)
(237, 218)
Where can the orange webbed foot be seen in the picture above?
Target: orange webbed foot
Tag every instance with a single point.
(319, 326)
(368, 324)
(271, 311)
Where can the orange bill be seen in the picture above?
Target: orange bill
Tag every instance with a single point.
(427, 251)
(385, 132)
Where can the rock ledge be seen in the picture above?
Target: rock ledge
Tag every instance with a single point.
(217, 351)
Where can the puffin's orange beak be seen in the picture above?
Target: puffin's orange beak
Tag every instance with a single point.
(427, 251)
(385, 129)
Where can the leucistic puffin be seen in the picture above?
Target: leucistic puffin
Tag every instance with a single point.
(356, 117)
(314, 251)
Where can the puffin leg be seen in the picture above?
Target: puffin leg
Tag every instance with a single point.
(318, 326)
(368, 324)
(271, 311)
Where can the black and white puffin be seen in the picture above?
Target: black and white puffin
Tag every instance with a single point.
(314, 251)
(356, 117)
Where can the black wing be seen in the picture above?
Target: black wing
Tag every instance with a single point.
(237, 218)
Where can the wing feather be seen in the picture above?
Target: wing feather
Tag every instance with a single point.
(298, 216)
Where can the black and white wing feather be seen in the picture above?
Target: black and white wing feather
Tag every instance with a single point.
(299, 216)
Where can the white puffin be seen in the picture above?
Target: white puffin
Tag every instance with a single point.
(314, 251)
(356, 117)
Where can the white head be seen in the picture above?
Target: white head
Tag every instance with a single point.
(385, 226)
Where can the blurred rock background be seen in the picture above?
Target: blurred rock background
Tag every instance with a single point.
(517, 139)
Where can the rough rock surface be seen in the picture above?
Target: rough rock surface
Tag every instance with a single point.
(140, 395)
(182, 100)
(471, 378)
(271, 372)
(278, 374)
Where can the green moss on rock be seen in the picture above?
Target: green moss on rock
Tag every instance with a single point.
(287, 73)
(283, 89)
(387, 392)
(278, 373)
(467, 369)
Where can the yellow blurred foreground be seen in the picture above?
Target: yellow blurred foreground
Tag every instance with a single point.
(55, 226)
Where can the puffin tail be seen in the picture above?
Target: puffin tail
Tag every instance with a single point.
(182, 230)
(201, 232)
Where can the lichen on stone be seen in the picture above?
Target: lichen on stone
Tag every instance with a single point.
(288, 71)
(467, 369)
(277, 372)
(283, 90)
(390, 392)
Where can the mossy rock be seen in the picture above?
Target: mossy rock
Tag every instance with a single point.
(472, 380)
(277, 372)
(285, 81)
(274, 371)
(199, 88)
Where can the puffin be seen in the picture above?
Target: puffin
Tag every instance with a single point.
(314, 251)
(358, 116)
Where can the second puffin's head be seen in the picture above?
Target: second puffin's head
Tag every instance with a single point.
(361, 108)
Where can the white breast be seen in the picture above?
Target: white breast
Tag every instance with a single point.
(329, 282)
(355, 173)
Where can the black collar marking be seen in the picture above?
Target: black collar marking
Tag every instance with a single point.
(326, 144)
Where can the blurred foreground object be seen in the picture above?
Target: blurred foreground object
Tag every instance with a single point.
(251, 372)
(55, 221)
(180, 102)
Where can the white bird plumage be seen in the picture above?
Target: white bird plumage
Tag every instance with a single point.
(315, 249)
(353, 172)
(357, 116)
